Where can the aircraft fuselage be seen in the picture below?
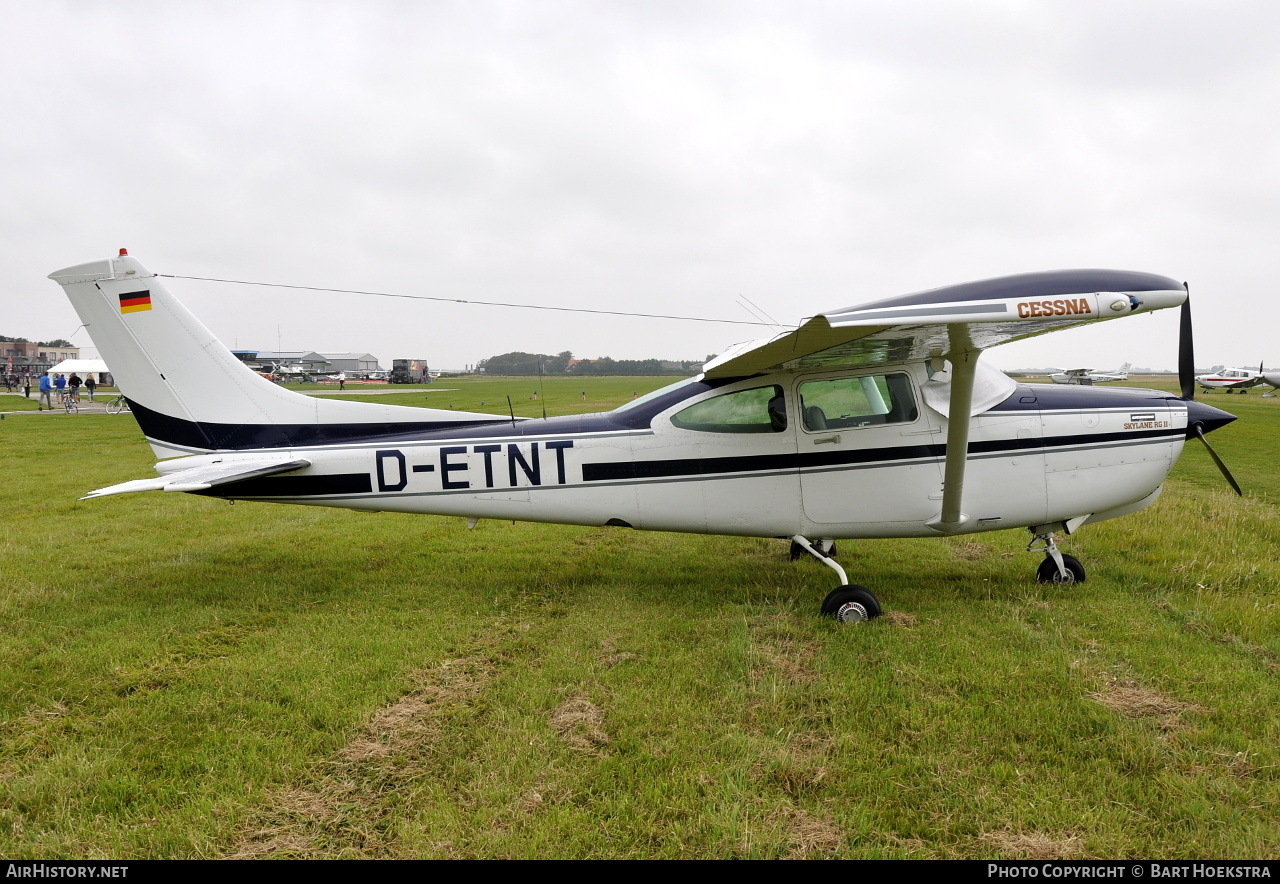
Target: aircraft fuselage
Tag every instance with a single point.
(1045, 454)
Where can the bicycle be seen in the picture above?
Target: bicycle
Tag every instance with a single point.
(119, 405)
(71, 402)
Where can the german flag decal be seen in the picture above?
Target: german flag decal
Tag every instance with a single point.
(135, 302)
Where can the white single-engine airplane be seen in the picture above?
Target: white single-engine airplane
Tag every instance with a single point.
(872, 421)
(1087, 376)
(1232, 379)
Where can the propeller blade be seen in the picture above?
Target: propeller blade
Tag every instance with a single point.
(1186, 351)
(1222, 468)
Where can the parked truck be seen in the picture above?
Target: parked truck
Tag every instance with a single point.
(409, 371)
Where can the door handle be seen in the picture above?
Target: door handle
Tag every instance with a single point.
(826, 439)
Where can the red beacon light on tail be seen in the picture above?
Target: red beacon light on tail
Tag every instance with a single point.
(124, 253)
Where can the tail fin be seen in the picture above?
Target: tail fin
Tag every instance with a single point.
(190, 394)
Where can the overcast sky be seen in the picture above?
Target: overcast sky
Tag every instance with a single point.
(663, 157)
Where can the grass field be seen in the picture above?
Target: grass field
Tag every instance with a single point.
(180, 677)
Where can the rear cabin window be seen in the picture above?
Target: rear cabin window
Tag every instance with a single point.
(843, 403)
(758, 410)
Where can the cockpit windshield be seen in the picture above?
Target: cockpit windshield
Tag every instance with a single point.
(649, 397)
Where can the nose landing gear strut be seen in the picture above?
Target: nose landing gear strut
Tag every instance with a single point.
(1057, 566)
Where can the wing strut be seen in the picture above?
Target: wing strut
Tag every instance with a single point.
(963, 357)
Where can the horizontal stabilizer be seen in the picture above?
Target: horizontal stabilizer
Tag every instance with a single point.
(202, 477)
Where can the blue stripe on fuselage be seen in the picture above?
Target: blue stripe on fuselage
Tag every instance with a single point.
(207, 436)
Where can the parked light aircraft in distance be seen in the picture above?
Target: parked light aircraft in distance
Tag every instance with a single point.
(1232, 379)
(878, 420)
(292, 372)
(1087, 376)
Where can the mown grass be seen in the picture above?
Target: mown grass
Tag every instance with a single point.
(528, 395)
(184, 678)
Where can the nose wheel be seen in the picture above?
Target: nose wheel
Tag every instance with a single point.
(1057, 566)
(1049, 572)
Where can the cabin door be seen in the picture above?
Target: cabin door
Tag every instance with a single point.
(870, 453)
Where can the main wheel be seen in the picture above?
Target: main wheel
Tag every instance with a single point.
(1048, 571)
(851, 604)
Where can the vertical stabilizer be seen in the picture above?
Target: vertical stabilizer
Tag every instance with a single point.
(190, 394)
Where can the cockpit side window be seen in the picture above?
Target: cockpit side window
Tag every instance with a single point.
(757, 410)
(845, 403)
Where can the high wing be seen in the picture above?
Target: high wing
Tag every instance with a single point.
(206, 476)
(954, 323)
(974, 315)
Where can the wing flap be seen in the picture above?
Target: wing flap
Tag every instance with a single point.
(202, 477)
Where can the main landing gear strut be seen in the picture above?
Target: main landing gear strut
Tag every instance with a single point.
(848, 603)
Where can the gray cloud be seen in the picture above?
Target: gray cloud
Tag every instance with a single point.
(659, 157)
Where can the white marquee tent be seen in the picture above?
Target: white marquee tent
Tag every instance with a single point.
(81, 367)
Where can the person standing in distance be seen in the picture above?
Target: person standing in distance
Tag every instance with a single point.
(46, 393)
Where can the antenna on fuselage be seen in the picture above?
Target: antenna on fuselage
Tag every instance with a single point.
(541, 391)
(747, 305)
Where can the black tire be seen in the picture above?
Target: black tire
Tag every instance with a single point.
(1048, 570)
(851, 604)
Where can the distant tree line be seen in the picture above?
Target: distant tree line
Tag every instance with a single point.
(526, 363)
(520, 363)
(56, 342)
